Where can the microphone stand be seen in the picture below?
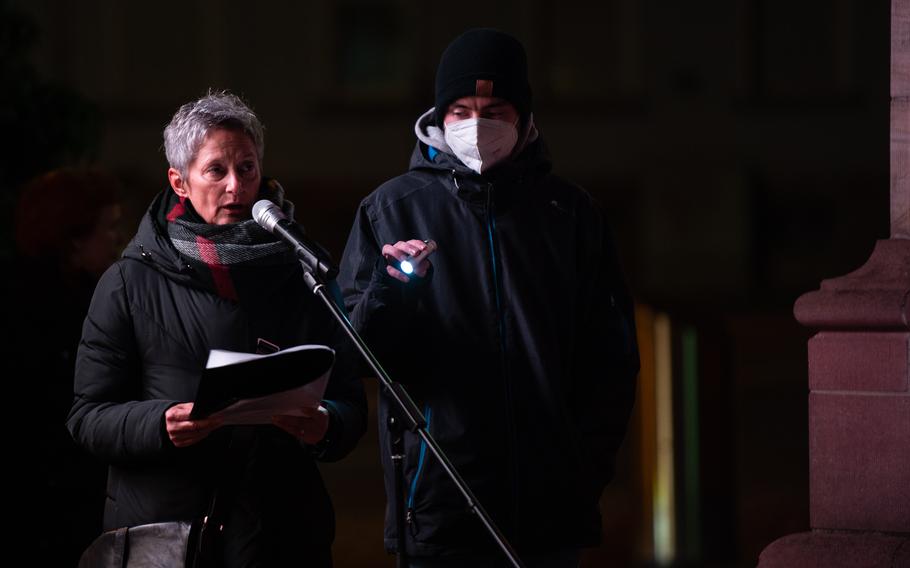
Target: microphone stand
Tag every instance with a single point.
(396, 436)
(410, 418)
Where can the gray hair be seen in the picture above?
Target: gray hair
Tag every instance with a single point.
(193, 122)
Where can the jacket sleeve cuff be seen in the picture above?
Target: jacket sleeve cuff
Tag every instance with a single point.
(345, 426)
(390, 291)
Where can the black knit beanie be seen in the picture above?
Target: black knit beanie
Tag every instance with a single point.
(483, 62)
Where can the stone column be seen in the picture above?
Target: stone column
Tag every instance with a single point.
(900, 119)
(859, 382)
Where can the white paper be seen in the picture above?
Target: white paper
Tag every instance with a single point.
(294, 402)
(221, 358)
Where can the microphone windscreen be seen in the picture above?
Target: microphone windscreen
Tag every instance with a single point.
(267, 214)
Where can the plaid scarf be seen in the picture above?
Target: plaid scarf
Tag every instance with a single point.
(231, 258)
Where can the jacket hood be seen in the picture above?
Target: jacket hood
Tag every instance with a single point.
(152, 245)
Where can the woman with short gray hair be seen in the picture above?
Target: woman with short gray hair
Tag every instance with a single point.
(201, 274)
(191, 123)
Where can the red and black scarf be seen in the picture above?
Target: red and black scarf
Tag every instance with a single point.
(231, 258)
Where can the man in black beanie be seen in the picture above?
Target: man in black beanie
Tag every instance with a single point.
(516, 337)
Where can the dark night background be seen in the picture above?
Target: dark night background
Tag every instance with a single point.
(739, 146)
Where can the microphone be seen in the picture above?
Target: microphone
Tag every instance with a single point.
(273, 220)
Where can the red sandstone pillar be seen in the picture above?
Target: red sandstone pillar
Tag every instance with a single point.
(859, 382)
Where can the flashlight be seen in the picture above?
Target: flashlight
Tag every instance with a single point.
(409, 264)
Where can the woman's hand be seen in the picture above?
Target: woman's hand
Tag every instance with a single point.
(309, 428)
(185, 432)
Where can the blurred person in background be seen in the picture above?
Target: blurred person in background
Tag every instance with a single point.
(67, 233)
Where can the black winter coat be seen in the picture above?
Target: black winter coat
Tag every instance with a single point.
(519, 347)
(145, 340)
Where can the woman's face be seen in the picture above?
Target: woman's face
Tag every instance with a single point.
(223, 181)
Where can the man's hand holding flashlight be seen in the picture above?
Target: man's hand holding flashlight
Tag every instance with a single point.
(408, 258)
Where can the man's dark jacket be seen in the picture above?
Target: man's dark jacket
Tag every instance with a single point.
(145, 341)
(519, 347)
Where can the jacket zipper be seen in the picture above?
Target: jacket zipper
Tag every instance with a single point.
(510, 422)
(421, 457)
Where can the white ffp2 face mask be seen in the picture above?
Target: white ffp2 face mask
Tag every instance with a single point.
(480, 143)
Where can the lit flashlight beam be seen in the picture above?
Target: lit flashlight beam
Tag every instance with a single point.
(410, 264)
